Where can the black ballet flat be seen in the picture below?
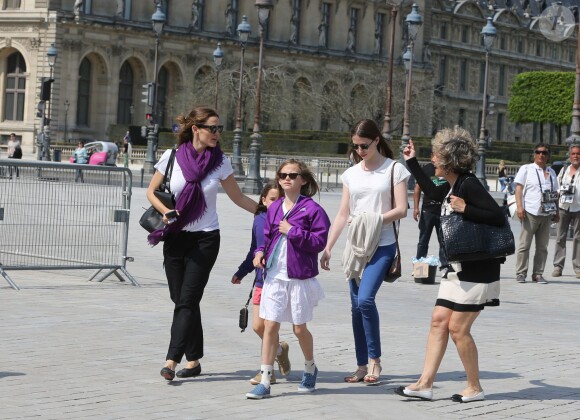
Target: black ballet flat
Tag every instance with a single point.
(168, 373)
(189, 373)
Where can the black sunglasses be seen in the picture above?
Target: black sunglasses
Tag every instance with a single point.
(541, 152)
(291, 175)
(361, 146)
(213, 128)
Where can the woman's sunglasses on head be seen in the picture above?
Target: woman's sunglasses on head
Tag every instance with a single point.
(213, 128)
(291, 175)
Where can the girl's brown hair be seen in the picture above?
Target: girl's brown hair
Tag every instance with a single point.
(369, 130)
(198, 115)
(308, 189)
(270, 185)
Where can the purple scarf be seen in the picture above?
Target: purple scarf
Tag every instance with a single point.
(191, 202)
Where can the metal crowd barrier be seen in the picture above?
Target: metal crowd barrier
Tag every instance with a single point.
(57, 216)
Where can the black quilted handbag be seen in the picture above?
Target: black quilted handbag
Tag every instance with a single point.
(469, 241)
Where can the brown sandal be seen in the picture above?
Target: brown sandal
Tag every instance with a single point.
(373, 377)
(357, 376)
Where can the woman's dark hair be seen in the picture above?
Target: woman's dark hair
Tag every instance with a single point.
(198, 115)
(369, 130)
(308, 189)
(261, 208)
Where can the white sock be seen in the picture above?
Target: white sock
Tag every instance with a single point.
(309, 366)
(266, 371)
(279, 352)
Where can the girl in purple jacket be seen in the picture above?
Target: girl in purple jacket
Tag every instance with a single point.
(296, 230)
(268, 196)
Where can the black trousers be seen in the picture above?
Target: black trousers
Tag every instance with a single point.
(427, 223)
(188, 259)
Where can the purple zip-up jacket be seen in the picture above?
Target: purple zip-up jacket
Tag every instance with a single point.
(305, 240)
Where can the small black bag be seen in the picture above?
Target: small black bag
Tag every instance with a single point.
(244, 318)
(243, 322)
(152, 220)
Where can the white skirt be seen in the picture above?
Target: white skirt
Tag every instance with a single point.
(466, 296)
(290, 301)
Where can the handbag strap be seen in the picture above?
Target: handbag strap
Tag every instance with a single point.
(392, 205)
(251, 292)
(168, 172)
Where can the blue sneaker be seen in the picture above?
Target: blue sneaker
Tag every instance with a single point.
(308, 383)
(259, 392)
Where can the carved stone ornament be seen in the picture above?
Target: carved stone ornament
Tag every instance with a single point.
(117, 50)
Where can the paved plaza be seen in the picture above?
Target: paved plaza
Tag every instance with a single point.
(72, 349)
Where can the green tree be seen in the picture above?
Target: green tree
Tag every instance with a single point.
(542, 97)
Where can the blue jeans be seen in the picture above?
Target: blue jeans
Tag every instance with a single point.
(365, 316)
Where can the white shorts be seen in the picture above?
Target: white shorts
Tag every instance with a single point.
(290, 301)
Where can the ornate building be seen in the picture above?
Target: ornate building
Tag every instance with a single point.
(325, 63)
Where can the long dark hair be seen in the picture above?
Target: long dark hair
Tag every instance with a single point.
(270, 185)
(198, 115)
(369, 130)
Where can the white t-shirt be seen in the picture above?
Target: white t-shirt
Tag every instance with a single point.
(210, 186)
(531, 176)
(370, 192)
(570, 202)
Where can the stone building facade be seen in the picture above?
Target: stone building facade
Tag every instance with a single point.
(325, 63)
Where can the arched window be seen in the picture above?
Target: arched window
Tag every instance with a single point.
(162, 86)
(125, 99)
(15, 88)
(84, 91)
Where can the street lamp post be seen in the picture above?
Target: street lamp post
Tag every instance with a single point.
(253, 184)
(389, 88)
(414, 22)
(66, 107)
(158, 20)
(244, 30)
(575, 128)
(488, 33)
(218, 56)
(51, 55)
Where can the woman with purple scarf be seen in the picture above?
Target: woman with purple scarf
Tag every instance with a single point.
(192, 239)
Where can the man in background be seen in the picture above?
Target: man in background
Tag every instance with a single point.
(429, 219)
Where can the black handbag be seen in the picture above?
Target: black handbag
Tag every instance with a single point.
(243, 321)
(152, 220)
(469, 241)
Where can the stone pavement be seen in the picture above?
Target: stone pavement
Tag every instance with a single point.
(71, 349)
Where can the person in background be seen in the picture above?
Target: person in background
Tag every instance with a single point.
(269, 195)
(192, 233)
(127, 146)
(366, 193)
(430, 218)
(569, 203)
(471, 285)
(14, 151)
(536, 198)
(80, 156)
(501, 175)
(295, 232)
